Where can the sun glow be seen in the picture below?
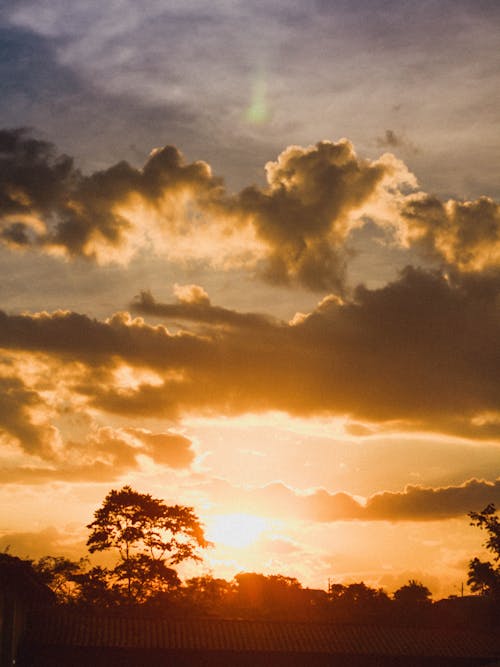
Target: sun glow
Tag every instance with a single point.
(235, 530)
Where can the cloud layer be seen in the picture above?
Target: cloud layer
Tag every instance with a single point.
(293, 231)
(421, 352)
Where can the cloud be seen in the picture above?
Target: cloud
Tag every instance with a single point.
(293, 230)
(415, 503)
(40, 543)
(313, 197)
(418, 503)
(465, 235)
(420, 352)
(18, 418)
(33, 183)
(105, 454)
(194, 305)
(137, 67)
(96, 472)
(170, 449)
(45, 202)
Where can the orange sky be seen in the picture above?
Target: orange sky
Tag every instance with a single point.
(211, 295)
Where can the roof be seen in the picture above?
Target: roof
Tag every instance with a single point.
(17, 576)
(63, 629)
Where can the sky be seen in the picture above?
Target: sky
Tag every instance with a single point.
(250, 258)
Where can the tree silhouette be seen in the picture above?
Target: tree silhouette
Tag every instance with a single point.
(149, 537)
(61, 574)
(274, 595)
(95, 588)
(484, 577)
(208, 595)
(413, 593)
(357, 601)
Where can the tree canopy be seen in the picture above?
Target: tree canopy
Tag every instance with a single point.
(484, 576)
(149, 537)
(413, 593)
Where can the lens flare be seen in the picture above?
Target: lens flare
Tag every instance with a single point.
(258, 112)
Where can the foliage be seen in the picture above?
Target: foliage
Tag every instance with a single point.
(484, 577)
(208, 595)
(149, 537)
(268, 594)
(413, 593)
(357, 601)
(488, 520)
(59, 573)
(95, 588)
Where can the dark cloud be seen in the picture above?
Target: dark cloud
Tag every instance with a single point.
(33, 176)
(72, 336)
(421, 352)
(16, 234)
(195, 306)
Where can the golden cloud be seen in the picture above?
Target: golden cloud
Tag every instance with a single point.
(465, 234)
(293, 230)
(421, 351)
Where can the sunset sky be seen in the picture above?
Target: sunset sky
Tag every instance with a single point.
(250, 260)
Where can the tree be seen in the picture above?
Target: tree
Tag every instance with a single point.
(489, 521)
(95, 588)
(60, 574)
(149, 537)
(274, 595)
(357, 601)
(414, 593)
(484, 577)
(208, 595)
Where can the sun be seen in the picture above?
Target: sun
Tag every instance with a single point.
(235, 530)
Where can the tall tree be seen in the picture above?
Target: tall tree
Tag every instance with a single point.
(149, 537)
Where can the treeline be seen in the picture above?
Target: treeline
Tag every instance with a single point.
(149, 539)
(249, 595)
